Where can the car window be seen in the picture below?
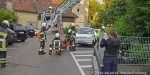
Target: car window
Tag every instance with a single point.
(85, 31)
(10, 30)
(96, 31)
(29, 28)
(19, 28)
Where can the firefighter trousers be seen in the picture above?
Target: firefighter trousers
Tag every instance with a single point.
(72, 45)
(3, 57)
(42, 45)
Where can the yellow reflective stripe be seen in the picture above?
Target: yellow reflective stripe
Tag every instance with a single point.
(43, 34)
(3, 49)
(56, 40)
(3, 61)
(40, 49)
(2, 39)
(3, 34)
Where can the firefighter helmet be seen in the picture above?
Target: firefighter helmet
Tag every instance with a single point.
(43, 24)
(103, 27)
(72, 24)
(57, 34)
(50, 7)
(6, 22)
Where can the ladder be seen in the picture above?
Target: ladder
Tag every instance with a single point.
(56, 16)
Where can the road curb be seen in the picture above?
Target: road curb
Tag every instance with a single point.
(95, 66)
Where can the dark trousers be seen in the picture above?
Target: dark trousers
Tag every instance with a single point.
(55, 26)
(42, 45)
(110, 66)
(72, 44)
(3, 56)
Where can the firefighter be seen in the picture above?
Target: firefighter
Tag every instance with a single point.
(73, 36)
(56, 45)
(66, 42)
(43, 38)
(98, 33)
(4, 36)
(48, 12)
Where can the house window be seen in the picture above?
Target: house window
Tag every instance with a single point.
(78, 10)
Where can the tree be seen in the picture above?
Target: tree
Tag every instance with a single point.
(122, 28)
(138, 16)
(8, 15)
(103, 13)
(94, 6)
(108, 3)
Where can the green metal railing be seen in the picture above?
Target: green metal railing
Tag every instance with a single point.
(134, 50)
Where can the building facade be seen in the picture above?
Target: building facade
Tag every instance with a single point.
(81, 10)
(28, 11)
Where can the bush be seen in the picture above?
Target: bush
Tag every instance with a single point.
(65, 29)
(122, 28)
(8, 15)
(55, 31)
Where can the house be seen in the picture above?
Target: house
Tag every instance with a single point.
(29, 10)
(81, 10)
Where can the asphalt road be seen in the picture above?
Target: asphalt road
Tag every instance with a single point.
(23, 59)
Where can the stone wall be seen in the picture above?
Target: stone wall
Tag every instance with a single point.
(135, 70)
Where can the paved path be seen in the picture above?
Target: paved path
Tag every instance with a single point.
(24, 60)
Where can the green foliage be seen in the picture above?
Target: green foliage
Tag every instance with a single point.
(54, 31)
(138, 15)
(131, 17)
(137, 48)
(107, 29)
(140, 51)
(65, 29)
(8, 15)
(122, 28)
(94, 6)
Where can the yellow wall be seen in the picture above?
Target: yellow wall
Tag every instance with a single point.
(26, 17)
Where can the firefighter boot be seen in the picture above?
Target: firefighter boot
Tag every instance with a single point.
(50, 51)
(43, 52)
(59, 53)
(40, 53)
(74, 48)
(3, 65)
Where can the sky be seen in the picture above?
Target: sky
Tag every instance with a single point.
(101, 1)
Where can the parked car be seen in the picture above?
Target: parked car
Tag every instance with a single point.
(30, 31)
(36, 31)
(96, 30)
(20, 31)
(86, 35)
(13, 38)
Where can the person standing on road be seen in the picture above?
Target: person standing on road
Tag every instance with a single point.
(99, 31)
(73, 36)
(43, 38)
(110, 59)
(4, 36)
(66, 42)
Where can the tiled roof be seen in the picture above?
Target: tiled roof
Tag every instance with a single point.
(41, 5)
(70, 14)
(33, 5)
